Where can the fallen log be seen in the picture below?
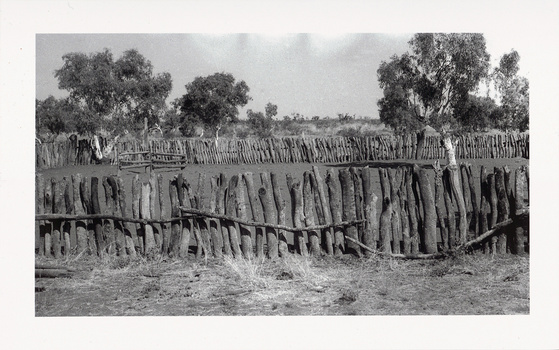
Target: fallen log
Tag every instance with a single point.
(52, 273)
(438, 255)
(262, 224)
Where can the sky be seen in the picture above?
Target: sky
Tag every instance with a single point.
(310, 74)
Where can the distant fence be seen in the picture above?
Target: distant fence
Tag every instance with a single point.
(333, 214)
(296, 149)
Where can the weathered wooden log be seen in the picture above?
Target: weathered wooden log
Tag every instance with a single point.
(298, 217)
(404, 216)
(308, 210)
(220, 209)
(318, 210)
(68, 227)
(430, 217)
(272, 214)
(413, 210)
(130, 236)
(215, 229)
(493, 205)
(467, 195)
(56, 224)
(242, 213)
(458, 196)
(394, 177)
(176, 229)
(280, 207)
(356, 176)
(145, 213)
(519, 186)
(502, 208)
(484, 205)
(81, 226)
(120, 242)
(231, 211)
(453, 239)
(108, 225)
(348, 210)
(40, 209)
(163, 214)
(98, 223)
(474, 200)
(136, 194)
(52, 273)
(270, 238)
(334, 191)
(440, 206)
(325, 209)
(202, 224)
(385, 225)
(153, 201)
(49, 225)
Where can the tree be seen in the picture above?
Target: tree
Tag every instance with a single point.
(214, 100)
(427, 87)
(260, 123)
(514, 93)
(424, 87)
(117, 94)
(476, 113)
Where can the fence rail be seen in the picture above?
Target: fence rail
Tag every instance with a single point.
(334, 215)
(294, 149)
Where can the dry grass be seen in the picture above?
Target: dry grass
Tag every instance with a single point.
(294, 285)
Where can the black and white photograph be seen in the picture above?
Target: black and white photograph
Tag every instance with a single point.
(337, 187)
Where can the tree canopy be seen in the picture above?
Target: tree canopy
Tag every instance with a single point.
(513, 93)
(214, 100)
(428, 85)
(260, 123)
(117, 94)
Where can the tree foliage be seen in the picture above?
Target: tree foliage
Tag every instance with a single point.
(214, 100)
(425, 87)
(261, 124)
(119, 94)
(514, 94)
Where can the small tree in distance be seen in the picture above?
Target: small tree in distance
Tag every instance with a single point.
(214, 100)
(260, 123)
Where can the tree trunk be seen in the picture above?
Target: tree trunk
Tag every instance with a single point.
(502, 208)
(385, 225)
(308, 206)
(394, 177)
(298, 217)
(454, 177)
(440, 206)
(430, 216)
(328, 243)
(335, 207)
(413, 211)
(215, 230)
(349, 210)
(231, 211)
(280, 207)
(220, 208)
(175, 237)
(241, 207)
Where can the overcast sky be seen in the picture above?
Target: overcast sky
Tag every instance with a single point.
(311, 74)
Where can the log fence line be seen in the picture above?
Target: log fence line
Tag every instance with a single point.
(286, 150)
(244, 217)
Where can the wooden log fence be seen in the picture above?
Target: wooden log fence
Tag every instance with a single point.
(242, 216)
(174, 153)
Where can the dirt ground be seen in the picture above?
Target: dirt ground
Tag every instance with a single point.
(119, 286)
